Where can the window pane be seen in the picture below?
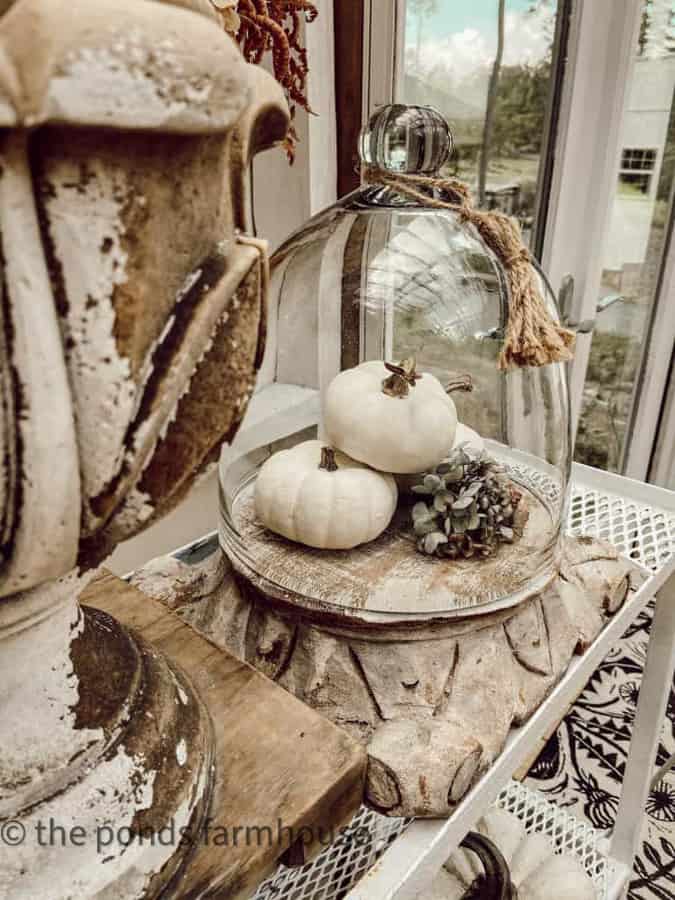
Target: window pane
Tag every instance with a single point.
(634, 245)
(450, 63)
(633, 183)
(638, 159)
(663, 467)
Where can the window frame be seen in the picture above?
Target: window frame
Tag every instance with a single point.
(599, 68)
(662, 469)
(595, 72)
(650, 436)
(582, 170)
(642, 173)
(627, 151)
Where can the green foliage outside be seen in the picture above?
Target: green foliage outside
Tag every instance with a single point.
(522, 98)
(517, 137)
(608, 393)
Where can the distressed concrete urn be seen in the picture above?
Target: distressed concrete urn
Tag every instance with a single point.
(131, 328)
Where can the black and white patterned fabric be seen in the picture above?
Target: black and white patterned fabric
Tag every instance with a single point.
(582, 766)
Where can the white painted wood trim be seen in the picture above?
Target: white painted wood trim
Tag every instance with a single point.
(663, 468)
(649, 430)
(322, 127)
(285, 196)
(601, 58)
(383, 58)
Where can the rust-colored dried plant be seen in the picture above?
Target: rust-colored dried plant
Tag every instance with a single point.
(274, 26)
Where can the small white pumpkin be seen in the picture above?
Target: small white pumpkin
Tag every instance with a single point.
(471, 440)
(537, 872)
(465, 436)
(319, 497)
(390, 417)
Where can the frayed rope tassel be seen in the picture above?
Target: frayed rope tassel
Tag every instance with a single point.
(532, 337)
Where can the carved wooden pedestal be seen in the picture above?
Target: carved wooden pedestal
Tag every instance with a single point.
(433, 701)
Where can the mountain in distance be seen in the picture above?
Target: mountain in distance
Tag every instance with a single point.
(419, 91)
(465, 118)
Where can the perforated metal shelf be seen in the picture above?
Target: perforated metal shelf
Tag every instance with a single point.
(637, 518)
(340, 866)
(567, 834)
(334, 872)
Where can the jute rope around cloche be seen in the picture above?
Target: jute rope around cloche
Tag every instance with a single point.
(532, 338)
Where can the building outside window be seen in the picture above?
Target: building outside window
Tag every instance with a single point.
(637, 169)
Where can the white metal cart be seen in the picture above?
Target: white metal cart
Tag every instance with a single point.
(395, 859)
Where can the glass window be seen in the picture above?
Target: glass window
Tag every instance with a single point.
(493, 68)
(634, 183)
(638, 159)
(487, 66)
(635, 174)
(634, 245)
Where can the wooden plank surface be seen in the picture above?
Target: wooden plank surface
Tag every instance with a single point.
(389, 576)
(279, 763)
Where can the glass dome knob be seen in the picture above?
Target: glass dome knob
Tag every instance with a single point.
(410, 139)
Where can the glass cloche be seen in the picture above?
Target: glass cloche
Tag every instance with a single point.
(414, 292)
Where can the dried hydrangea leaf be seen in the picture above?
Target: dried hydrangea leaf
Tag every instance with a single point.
(421, 511)
(433, 541)
(422, 527)
(432, 482)
(442, 500)
(420, 489)
(474, 488)
(462, 504)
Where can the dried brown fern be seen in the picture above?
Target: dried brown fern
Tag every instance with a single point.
(274, 26)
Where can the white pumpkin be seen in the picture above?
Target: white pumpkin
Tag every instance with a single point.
(537, 872)
(390, 417)
(322, 498)
(471, 440)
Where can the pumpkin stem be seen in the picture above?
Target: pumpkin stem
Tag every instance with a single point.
(402, 378)
(328, 460)
(462, 383)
